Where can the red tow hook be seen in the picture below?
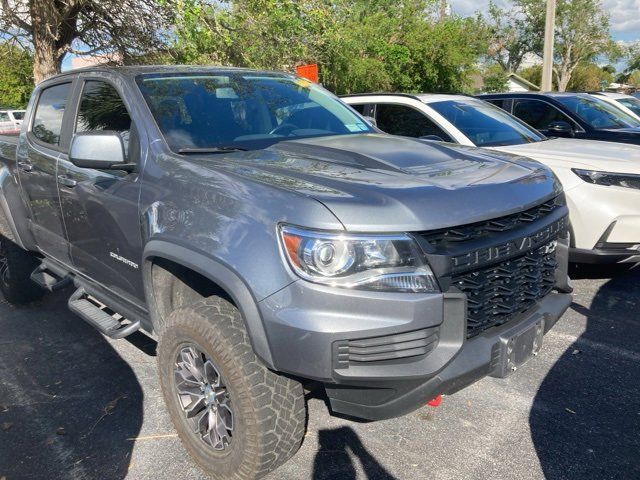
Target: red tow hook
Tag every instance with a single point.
(435, 402)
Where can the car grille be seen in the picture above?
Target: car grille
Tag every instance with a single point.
(450, 237)
(385, 348)
(496, 293)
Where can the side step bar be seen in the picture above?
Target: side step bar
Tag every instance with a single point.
(98, 317)
(50, 277)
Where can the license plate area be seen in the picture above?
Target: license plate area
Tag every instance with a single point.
(518, 349)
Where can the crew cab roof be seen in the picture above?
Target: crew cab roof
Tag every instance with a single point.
(135, 70)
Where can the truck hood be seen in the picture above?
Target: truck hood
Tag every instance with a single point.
(591, 154)
(378, 182)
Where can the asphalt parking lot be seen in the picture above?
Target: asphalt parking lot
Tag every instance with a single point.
(74, 405)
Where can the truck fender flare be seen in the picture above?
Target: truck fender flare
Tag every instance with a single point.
(217, 272)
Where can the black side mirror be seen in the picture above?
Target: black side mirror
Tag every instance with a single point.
(560, 128)
(99, 150)
(432, 138)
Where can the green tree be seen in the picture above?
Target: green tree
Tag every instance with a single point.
(589, 77)
(360, 45)
(511, 37)
(495, 79)
(581, 33)
(16, 77)
(532, 73)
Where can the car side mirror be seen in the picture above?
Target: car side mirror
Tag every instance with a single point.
(560, 128)
(432, 138)
(102, 150)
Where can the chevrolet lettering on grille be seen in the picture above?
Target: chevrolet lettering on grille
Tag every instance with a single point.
(510, 248)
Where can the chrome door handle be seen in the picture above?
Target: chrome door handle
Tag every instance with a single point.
(66, 181)
(25, 166)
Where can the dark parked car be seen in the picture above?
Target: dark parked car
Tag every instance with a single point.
(271, 238)
(575, 115)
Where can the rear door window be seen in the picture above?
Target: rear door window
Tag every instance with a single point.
(538, 114)
(406, 121)
(47, 122)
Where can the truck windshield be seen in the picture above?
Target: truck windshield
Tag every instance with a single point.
(484, 124)
(598, 113)
(245, 111)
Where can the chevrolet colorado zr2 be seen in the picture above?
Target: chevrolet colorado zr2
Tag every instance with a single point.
(271, 239)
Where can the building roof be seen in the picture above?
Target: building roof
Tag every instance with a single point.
(524, 81)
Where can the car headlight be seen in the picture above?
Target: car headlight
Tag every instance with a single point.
(362, 261)
(627, 180)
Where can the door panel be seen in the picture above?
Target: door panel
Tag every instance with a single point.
(37, 171)
(100, 213)
(100, 207)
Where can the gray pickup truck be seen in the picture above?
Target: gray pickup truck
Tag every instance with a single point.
(273, 240)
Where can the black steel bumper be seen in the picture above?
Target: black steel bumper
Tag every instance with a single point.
(484, 355)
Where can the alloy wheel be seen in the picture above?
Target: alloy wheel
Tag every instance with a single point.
(204, 397)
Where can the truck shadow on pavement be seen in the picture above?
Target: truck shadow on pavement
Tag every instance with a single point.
(586, 415)
(69, 404)
(334, 462)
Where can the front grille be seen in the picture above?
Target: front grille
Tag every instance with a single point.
(385, 348)
(496, 293)
(455, 236)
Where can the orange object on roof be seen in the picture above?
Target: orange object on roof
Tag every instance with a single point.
(310, 72)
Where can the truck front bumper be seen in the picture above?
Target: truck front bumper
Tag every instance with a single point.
(383, 354)
(485, 355)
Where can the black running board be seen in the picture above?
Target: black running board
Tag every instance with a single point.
(50, 277)
(96, 316)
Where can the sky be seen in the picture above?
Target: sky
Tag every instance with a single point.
(625, 15)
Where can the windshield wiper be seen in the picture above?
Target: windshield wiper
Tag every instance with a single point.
(223, 149)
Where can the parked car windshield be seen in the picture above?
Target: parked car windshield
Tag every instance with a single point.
(598, 113)
(243, 110)
(631, 103)
(485, 124)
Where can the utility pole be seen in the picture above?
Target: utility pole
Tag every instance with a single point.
(547, 58)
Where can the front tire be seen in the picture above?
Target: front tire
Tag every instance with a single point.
(236, 418)
(16, 267)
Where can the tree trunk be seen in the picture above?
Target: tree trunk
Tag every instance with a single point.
(45, 26)
(563, 81)
(45, 61)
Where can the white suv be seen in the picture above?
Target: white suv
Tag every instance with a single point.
(10, 121)
(627, 103)
(601, 179)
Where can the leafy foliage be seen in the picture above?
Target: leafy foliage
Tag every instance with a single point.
(589, 77)
(495, 79)
(16, 79)
(361, 45)
(511, 37)
(581, 34)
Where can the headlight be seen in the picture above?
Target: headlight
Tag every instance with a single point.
(367, 262)
(627, 180)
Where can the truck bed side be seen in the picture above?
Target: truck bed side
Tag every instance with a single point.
(13, 214)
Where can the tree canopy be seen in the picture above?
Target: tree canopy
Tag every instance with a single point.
(361, 45)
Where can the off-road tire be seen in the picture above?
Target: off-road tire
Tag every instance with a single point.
(269, 409)
(15, 282)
